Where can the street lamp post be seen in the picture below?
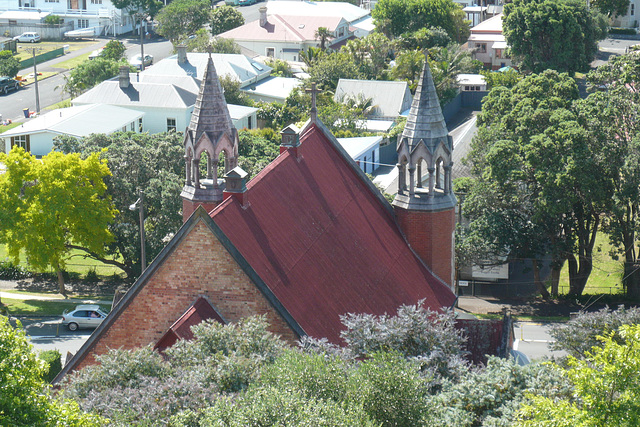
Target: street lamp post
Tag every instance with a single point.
(35, 75)
(139, 204)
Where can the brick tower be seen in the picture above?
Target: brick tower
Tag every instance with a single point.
(426, 213)
(210, 132)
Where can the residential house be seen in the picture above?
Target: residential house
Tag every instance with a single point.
(630, 19)
(27, 15)
(364, 150)
(307, 240)
(472, 82)
(285, 36)
(36, 135)
(389, 99)
(488, 43)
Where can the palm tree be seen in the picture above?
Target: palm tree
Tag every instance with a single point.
(359, 103)
(323, 34)
(310, 56)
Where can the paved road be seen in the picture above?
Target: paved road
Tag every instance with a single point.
(533, 340)
(50, 89)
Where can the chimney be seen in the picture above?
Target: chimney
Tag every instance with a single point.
(235, 185)
(124, 77)
(290, 139)
(263, 16)
(182, 53)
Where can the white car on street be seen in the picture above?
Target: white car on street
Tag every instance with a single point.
(29, 37)
(83, 316)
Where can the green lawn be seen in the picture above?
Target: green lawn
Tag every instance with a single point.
(19, 307)
(77, 263)
(606, 277)
(73, 62)
(22, 54)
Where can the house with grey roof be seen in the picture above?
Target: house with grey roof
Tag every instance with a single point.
(389, 98)
(36, 135)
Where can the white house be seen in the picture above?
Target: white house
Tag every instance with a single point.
(272, 89)
(101, 15)
(285, 36)
(36, 135)
(364, 150)
(390, 98)
(630, 19)
(471, 82)
(488, 43)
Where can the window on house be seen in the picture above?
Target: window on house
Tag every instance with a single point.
(124, 128)
(140, 125)
(365, 164)
(21, 141)
(249, 124)
(83, 23)
(373, 160)
(633, 9)
(341, 32)
(132, 127)
(482, 47)
(271, 52)
(52, 1)
(96, 1)
(13, 22)
(171, 125)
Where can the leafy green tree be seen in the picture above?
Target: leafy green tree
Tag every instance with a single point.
(114, 50)
(202, 42)
(542, 188)
(408, 67)
(371, 55)
(279, 67)
(397, 17)
(24, 396)
(607, 387)
(323, 34)
(225, 18)
(140, 11)
(507, 78)
(446, 63)
(257, 149)
(9, 64)
(53, 20)
(89, 73)
(182, 18)
(611, 8)
(328, 69)
(48, 207)
(153, 163)
(424, 38)
(311, 55)
(232, 92)
(557, 34)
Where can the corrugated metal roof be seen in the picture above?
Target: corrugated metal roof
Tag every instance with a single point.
(240, 111)
(275, 87)
(355, 147)
(345, 10)
(391, 98)
(491, 25)
(238, 67)
(79, 121)
(200, 311)
(323, 242)
(138, 94)
(284, 28)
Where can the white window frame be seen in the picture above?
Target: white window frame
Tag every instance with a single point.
(172, 126)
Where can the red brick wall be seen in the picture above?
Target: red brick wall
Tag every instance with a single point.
(198, 266)
(188, 207)
(430, 234)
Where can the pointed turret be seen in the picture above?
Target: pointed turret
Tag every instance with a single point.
(426, 215)
(210, 131)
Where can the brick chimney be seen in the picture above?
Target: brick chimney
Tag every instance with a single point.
(123, 77)
(182, 54)
(263, 16)
(235, 185)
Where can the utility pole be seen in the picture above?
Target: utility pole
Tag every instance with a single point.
(35, 74)
(141, 45)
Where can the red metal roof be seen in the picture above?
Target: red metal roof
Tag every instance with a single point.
(181, 329)
(323, 243)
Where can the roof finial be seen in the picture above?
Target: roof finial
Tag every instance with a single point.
(209, 50)
(314, 110)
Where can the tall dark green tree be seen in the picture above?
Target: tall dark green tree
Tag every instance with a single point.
(557, 34)
(542, 187)
(9, 65)
(153, 163)
(225, 18)
(611, 8)
(182, 18)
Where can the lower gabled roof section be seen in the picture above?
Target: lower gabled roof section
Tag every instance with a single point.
(324, 241)
(198, 312)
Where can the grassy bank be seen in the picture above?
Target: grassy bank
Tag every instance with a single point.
(31, 307)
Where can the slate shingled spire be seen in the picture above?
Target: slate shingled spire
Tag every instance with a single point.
(210, 131)
(426, 214)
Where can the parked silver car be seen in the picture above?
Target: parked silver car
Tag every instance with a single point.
(84, 316)
(29, 37)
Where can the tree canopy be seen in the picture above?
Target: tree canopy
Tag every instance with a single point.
(611, 8)
(48, 206)
(9, 64)
(89, 73)
(182, 18)
(225, 18)
(153, 163)
(397, 17)
(113, 50)
(25, 399)
(556, 34)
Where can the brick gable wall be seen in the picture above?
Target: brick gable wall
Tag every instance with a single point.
(198, 266)
(430, 234)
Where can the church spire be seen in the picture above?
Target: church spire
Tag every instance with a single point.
(210, 132)
(426, 215)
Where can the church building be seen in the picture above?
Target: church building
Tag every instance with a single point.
(307, 240)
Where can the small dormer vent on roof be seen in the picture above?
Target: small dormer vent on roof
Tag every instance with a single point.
(236, 185)
(290, 138)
